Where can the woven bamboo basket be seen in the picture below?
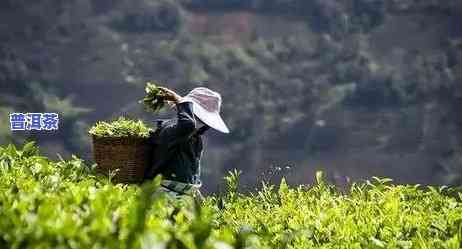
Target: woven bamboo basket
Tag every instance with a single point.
(127, 157)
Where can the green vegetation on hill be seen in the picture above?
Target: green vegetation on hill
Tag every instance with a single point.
(61, 204)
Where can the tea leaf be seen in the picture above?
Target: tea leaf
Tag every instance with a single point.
(121, 127)
(154, 100)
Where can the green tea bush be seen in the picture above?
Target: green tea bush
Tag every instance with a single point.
(62, 204)
(121, 127)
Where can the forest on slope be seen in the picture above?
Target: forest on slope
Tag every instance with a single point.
(357, 87)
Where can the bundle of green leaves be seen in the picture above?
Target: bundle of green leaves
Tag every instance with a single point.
(121, 127)
(155, 99)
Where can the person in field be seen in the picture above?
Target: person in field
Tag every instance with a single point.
(178, 150)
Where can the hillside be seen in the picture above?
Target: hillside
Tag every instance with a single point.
(356, 88)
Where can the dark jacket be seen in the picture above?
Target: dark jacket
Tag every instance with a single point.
(178, 148)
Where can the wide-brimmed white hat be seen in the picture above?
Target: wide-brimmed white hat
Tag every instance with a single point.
(206, 106)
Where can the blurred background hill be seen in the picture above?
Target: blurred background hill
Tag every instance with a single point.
(355, 87)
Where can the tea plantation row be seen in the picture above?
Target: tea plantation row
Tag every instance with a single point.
(62, 204)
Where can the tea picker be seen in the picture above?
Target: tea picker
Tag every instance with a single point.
(178, 146)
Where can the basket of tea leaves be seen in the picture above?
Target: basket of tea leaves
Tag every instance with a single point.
(122, 149)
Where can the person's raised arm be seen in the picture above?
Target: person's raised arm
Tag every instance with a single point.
(186, 123)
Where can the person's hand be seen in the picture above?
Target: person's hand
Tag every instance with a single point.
(170, 95)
